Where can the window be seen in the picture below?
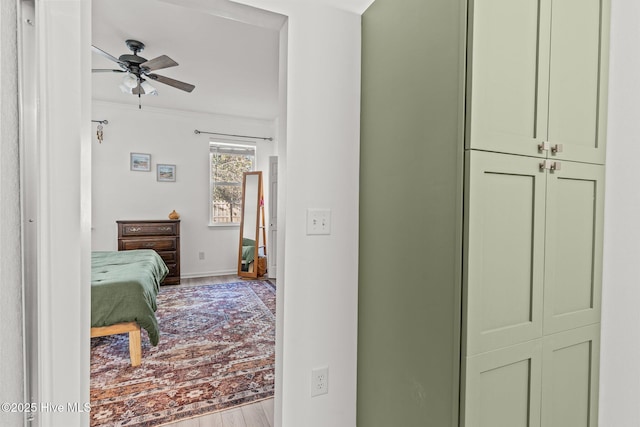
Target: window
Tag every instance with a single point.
(227, 163)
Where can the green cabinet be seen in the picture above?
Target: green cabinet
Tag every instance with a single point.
(549, 382)
(573, 246)
(483, 129)
(537, 73)
(533, 255)
(504, 256)
(570, 378)
(531, 291)
(503, 388)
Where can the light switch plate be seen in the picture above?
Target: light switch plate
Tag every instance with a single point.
(318, 221)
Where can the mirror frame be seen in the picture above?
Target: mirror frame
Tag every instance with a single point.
(247, 204)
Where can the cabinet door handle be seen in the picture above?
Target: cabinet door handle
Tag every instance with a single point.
(558, 148)
(544, 146)
(549, 165)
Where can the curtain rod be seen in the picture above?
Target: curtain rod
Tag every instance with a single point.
(198, 132)
(102, 122)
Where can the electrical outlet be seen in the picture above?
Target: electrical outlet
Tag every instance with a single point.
(318, 221)
(201, 255)
(319, 381)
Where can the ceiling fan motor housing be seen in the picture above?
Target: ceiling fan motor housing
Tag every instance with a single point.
(134, 60)
(135, 46)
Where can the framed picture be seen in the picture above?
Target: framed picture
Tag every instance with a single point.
(166, 173)
(140, 162)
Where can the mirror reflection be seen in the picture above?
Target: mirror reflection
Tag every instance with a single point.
(252, 255)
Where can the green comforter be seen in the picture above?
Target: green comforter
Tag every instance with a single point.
(248, 250)
(124, 286)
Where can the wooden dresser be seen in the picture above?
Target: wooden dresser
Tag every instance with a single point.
(163, 236)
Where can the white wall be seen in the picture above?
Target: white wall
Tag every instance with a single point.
(320, 278)
(620, 354)
(62, 212)
(119, 193)
(11, 372)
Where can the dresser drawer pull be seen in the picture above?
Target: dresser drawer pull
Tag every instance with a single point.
(166, 228)
(149, 244)
(134, 229)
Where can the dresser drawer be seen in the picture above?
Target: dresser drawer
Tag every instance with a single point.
(173, 270)
(156, 243)
(168, 257)
(171, 281)
(149, 229)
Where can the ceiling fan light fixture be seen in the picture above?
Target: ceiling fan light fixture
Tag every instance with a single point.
(148, 89)
(125, 89)
(130, 81)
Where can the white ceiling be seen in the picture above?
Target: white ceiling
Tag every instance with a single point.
(231, 60)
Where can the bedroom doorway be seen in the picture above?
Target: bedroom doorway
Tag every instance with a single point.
(157, 121)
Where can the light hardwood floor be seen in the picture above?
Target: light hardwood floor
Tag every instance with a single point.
(259, 414)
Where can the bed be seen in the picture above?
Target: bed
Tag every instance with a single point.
(124, 286)
(248, 254)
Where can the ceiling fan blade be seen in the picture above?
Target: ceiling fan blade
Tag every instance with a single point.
(171, 82)
(162, 61)
(106, 70)
(107, 55)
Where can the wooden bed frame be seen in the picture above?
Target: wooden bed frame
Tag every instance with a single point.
(135, 343)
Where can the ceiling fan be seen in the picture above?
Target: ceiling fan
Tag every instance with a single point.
(138, 70)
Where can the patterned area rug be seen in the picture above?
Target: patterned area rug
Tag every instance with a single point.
(216, 351)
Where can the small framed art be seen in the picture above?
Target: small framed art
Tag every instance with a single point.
(166, 173)
(140, 162)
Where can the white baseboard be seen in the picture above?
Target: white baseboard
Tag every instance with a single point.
(208, 274)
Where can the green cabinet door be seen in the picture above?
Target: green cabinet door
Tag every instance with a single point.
(504, 251)
(573, 254)
(537, 77)
(578, 75)
(507, 80)
(570, 378)
(502, 388)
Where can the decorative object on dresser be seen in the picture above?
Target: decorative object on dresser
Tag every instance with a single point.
(174, 215)
(163, 236)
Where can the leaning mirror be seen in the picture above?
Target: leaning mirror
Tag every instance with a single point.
(252, 251)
